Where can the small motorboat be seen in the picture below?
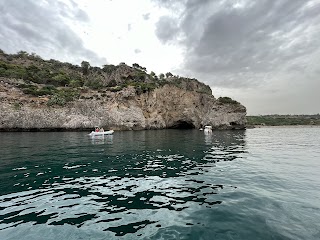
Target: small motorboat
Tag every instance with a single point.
(207, 130)
(101, 133)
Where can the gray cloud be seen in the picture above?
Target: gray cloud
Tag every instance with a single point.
(146, 16)
(38, 26)
(167, 29)
(239, 43)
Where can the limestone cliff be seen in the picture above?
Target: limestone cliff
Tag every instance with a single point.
(175, 103)
(164, 107)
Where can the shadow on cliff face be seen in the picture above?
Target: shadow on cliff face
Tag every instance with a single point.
(182, 125)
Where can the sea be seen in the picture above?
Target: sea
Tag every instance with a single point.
(261, 183)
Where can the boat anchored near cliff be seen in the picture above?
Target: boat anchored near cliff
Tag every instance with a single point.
(207, 130)
(100, 132)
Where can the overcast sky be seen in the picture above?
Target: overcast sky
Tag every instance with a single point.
(263, 53)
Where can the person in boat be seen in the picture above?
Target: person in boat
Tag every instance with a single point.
(97, 129)
(101, 130)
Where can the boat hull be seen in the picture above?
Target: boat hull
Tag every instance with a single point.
(101, 133)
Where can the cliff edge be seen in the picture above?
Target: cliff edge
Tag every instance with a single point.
(36, 94)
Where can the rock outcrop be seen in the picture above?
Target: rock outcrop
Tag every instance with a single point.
(37, 94)
(165, 107)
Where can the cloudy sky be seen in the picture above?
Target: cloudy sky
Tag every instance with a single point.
(263, 53)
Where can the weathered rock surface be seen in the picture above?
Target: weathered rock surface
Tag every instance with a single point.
(165, 107)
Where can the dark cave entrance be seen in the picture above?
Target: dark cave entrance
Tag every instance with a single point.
(182, 125)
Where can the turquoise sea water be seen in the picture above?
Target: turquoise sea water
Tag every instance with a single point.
(168, 184)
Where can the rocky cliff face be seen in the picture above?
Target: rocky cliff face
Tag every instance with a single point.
(165, 107)
(37, 94)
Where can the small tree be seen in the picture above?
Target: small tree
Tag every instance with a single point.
(152, 74)
(85, 67)
(22, 54)
(136, 65)
(161, 76)
(169, 74)
(109, 68)
(112, 83)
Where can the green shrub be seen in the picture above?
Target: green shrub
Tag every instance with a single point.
(12, 71)
(144, 87)
(50, 88)
(94, 84)
(109, 68)
(56, 100)
(112, 83)
(61, 97)
(61, 79)
(140, 76)
(227, 100)
(47, 90)
(24, 85)
(35, 91)
(69, 94)
(30, 89)
(76, 83)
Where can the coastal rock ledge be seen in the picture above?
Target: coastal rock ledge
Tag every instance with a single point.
(165, 107)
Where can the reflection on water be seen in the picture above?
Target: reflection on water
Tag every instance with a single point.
(103, 139)
(133, 184)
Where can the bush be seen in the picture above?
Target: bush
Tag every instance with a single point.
(144, 87)
(12, 71)
(56, 100)
(93, 84)
(109, 68)
(47, 90)
(35, 91)
(112, 83)
(69, 94)
(63, 96)
(61, 79)
(76, 83)
(30, 89)
(227, 100)
(140, 76)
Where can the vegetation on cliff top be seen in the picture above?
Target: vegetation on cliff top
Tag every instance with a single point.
(227, 100)
(62, 82)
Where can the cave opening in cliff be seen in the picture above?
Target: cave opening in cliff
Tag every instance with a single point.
(182, 125)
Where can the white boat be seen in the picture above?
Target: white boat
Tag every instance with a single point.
(207, 130)
(93, 133)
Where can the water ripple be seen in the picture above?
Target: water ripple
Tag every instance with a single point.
(119, 186)
(147, 187)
